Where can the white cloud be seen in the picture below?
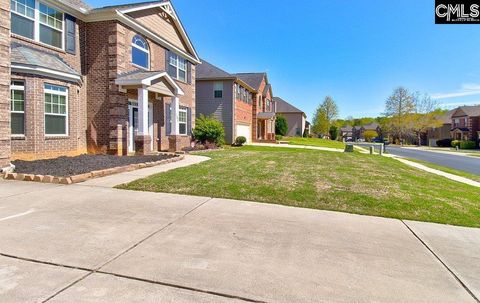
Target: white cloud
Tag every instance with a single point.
(468, 89)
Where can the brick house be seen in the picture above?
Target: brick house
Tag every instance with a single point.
(358, 132)
(296, 119)
(465, 122)
(117, 79)
(239, 101)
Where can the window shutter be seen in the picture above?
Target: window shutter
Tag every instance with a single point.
(189, 72)
(168, 119)
(70, 41)
(167, 63)
(189, 121)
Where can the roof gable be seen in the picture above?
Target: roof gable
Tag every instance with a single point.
(253, 79)
(285, 107)
(459, 113)
(207, 70)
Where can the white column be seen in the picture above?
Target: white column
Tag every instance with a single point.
(174, 115)
(142, 111)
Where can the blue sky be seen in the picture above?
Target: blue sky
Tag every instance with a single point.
(355, 51)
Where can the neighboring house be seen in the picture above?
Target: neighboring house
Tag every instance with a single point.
(442, 132)
(296, 119)
(308, 128)
(263, 117)
(118, 79)
(466, 123)
(346, 133)
(227, 98)
(358, 132)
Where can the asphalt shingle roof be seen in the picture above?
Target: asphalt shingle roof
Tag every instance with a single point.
(285, 107)
(252, 79)
(126, 5)
(207, 70)
(472, 111)
(138, 75)
(26, 55)
(77, 4)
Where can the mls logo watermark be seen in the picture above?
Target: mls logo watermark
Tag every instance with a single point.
(457, 11)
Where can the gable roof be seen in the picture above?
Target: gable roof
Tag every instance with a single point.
(372, 125)
(252, 79)
(283, 106)
(472, 111)
(347, 128)
(207, 70)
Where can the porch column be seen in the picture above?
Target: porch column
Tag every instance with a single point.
(143, 140)
(174, 140)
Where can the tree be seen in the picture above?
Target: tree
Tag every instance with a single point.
(425, 115)
(326, 112)
(209, 130)
(281, 126)
(398, 106)
(370, 135)
(333, 131)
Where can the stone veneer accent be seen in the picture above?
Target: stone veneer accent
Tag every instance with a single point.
(4, 83)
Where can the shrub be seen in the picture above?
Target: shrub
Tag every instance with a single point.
(333, 131)
(444, 143)
(278, 137)
(306, 134)
(281, 126)
(209, 130)
(468, 145)
(456, 143)
(240, 140)
(370, 135)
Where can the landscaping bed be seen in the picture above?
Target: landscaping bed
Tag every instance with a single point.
(69, 170)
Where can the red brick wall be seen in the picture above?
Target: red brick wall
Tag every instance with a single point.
(4, 83)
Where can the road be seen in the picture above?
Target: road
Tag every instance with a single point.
(463, 163)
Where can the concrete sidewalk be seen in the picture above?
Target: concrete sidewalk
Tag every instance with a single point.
(87, 243)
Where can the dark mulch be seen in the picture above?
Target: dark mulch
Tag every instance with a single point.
(69, 166)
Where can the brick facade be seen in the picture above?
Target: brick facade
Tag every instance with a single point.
(4, 83)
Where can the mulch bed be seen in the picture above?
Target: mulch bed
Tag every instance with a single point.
(69, 166)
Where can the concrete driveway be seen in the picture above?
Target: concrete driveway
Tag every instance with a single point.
(90, 244)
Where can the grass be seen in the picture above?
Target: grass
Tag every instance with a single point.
(347, 182)
(314, 142)
(448, 170)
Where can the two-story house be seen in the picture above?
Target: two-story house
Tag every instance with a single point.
(242, 102)
(296, 119)
(465, 121)
(358, 132)
(117, 79)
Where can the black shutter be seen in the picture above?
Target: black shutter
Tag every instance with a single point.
(189, 72)
(189, 121)
(70, 40)
(168, 119)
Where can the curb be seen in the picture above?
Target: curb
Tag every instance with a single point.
(86, 176)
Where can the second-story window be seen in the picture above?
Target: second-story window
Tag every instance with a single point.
(37, 21)
(140, 52)
(218, 90)
(177, 67)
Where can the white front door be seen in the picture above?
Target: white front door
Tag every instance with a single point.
(133, 124)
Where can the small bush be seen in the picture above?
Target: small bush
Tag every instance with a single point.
(333, 132)
(281, 126)
(240, 141)
(444, 143)
(456, 143)
(209, 130)
(278, 137)
(468, 145)
(370, 135)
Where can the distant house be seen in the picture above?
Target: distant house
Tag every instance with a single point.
(466, 123)
(346, 133)
(442, 132)
(358, 132)
(296, 118)
(308, 127)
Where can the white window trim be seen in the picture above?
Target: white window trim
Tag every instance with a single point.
(217, 89)
(21, 88)
(145, 50)
(66, 115)
(184, 110)
(177, 66)
(36, 25)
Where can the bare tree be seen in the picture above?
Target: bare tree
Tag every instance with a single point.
(425, 115)
(398, 106)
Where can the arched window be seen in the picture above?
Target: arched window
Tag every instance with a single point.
(140, 52)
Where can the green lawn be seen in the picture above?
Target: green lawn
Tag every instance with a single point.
(448, 170)
(348, 182)
(314, 142)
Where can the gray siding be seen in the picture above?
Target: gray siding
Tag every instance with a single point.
(294, 120)
(219, 108)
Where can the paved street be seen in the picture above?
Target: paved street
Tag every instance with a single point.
(467, 164)
(84, 243)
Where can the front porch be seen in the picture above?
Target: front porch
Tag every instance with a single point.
(156, 119)
(461, 134)
(265, 130)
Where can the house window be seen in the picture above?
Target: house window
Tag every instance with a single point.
(218, 90)
(56, 110)
(140, 52)
(238, 92)
(17, 108)
(267, 105)
(177, 67)
(45, 27)
(182, 121)
(260, 103)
